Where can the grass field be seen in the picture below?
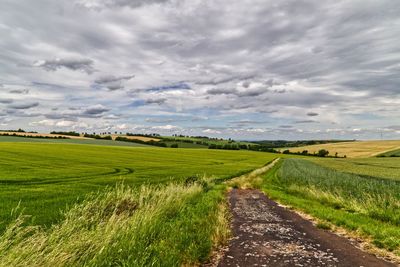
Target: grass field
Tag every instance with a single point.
(393, 153)
(136, 137)
(44, 178)
(377, 167)
(357, 149)
(368, 207)
(82, 141)
(185, 145)
(209, 141)
(40, 135)
(102, 205)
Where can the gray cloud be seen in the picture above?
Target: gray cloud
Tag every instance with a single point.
(306, 121)
(233, 91)
(19, 91)
(312, 114)
(23, 105)
(113, 82)
(95, 110)
(222, 91)
(158, 101)
(6, 100)
(85, 65)
(111, 78)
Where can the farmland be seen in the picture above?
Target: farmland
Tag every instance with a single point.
(143, 205)
(356, 149)
(82, 141)
(375, 167)
(46, 177)
(392, 153)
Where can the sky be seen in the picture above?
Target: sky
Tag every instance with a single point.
(250, 69)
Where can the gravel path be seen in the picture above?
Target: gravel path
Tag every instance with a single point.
(266, 234)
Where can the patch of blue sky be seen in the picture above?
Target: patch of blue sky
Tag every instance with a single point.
(168, 87)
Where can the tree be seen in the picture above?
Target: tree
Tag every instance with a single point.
(322, 153)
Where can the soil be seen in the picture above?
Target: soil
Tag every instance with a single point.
(266, 234)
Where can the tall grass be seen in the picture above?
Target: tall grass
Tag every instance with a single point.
(377, 198)
(168, 225)
(367, 207)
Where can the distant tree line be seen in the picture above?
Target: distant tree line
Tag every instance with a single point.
(150, 142)
(143, 135)
(72, 133)
(35, 136)
(297, 143)
(200, 137)
(321, 153)
(17, 131)
(96, 136)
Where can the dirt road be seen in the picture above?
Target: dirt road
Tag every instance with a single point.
(265, 234)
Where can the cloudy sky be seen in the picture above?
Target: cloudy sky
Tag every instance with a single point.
(255, 69)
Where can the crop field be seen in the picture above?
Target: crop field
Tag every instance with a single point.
(357, 149)
(40, 135)
(184, 144)
(82, 141)
(44, 178)
(136, 137)
(393, 153)
(209, 141)
(144, 205)
(366, 206)
(376, 167)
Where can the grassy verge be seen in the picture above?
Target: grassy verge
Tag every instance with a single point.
(170, 225)
(367, 207)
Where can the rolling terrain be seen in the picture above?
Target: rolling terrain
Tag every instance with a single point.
(43, 178)
(138, 206)
(82, 141)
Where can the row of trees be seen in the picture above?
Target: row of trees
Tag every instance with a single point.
(150, 142)
(143, 135)
(35, 136)
(96, 136)
(321, 153)
(71, 133)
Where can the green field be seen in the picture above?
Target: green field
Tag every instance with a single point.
(368, 206)
(44, 178)
(142, 206)
(394, 153)
(68, 141)
(184, 144)
(207, 140)
(388, 167)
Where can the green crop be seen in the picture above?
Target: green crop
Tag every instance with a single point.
(44, 178)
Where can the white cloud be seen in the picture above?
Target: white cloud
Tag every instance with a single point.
(211, 131)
